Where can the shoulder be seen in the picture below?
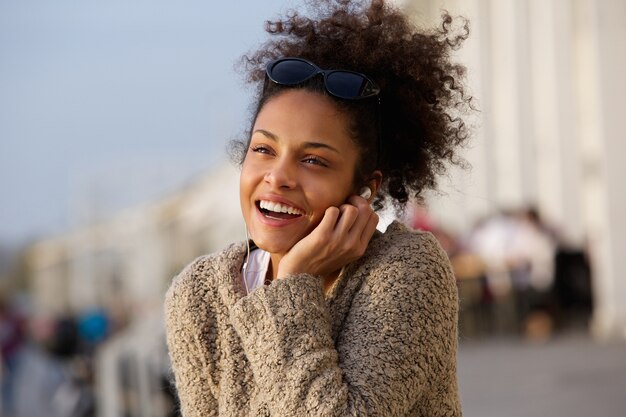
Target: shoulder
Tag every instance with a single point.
(410, 247)
(194, 284)
(404, 258)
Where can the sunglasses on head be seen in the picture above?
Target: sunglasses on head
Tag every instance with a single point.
(343, 84)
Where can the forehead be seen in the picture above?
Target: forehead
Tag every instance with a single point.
(297, 116)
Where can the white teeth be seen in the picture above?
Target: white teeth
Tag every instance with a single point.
(278, 207)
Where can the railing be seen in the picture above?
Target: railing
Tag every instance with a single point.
(131, 372)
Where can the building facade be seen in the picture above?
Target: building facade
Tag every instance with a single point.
(548, 76)
(126, 262)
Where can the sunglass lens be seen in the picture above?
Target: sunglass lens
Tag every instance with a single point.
(291, 71)
(349, 85)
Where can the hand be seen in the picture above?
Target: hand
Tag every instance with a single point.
(341, 237)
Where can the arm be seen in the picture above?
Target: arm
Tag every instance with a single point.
(397, 350)
(187, 354)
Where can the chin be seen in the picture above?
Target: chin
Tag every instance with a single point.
(272, 246)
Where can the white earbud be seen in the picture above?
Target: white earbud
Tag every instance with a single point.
(366, 193)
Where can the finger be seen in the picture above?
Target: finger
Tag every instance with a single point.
(369, 229)
(365, 211)
(358, 201)
(349, 215)
(327, 224)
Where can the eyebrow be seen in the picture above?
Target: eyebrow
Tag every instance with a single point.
(315, 145)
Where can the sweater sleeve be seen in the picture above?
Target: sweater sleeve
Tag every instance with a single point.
(396, 353)
(188, 355)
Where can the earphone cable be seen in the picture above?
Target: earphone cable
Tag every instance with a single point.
(245, 264)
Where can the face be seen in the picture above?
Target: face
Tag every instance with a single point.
(301, 160)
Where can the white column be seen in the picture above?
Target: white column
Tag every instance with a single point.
(545, 106)
(527, 151)
(487, 140)
(505, 103)
(468, 194)
(570, 213)
(609, 247)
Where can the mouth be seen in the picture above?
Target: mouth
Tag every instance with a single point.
(278, 211)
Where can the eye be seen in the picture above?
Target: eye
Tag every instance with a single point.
(314, 160)
(260, 149)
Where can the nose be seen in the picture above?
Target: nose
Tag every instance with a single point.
(282, 174)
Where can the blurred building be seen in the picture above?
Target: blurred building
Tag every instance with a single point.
(122, 267)
(127, 261)
(549, 80)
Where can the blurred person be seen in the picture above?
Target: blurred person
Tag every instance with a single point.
(93, 328)
(11, 345)
(572, 286)
(530, 257)
(490, 239)
(518, 252)
(323, 315)
(532, 248)
(45, 382)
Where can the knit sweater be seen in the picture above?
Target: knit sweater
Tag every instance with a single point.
(381, 341)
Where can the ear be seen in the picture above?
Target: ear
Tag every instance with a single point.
(374, 183)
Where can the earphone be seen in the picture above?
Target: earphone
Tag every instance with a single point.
(366, 192)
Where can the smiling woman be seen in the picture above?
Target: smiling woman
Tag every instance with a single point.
(300, 159)
(318, 313)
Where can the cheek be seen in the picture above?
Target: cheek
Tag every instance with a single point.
(330, 195)
(246, 186)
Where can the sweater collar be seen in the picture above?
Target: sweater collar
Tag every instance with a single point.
(231, 260)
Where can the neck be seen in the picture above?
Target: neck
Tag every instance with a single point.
(275, 259)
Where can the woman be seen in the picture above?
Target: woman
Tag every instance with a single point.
(322, 315)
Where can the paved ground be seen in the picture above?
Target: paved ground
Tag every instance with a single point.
(570, 376)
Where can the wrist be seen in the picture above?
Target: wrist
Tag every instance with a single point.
(284, 270)
(293, 268)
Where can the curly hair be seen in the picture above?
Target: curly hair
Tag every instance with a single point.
(415, 130)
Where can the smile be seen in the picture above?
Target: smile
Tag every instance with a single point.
(278, 211)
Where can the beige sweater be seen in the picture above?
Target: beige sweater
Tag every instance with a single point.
(381, 342)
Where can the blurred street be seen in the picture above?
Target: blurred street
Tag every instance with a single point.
(569, 376)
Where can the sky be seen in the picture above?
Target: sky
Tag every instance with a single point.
(108, 104)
